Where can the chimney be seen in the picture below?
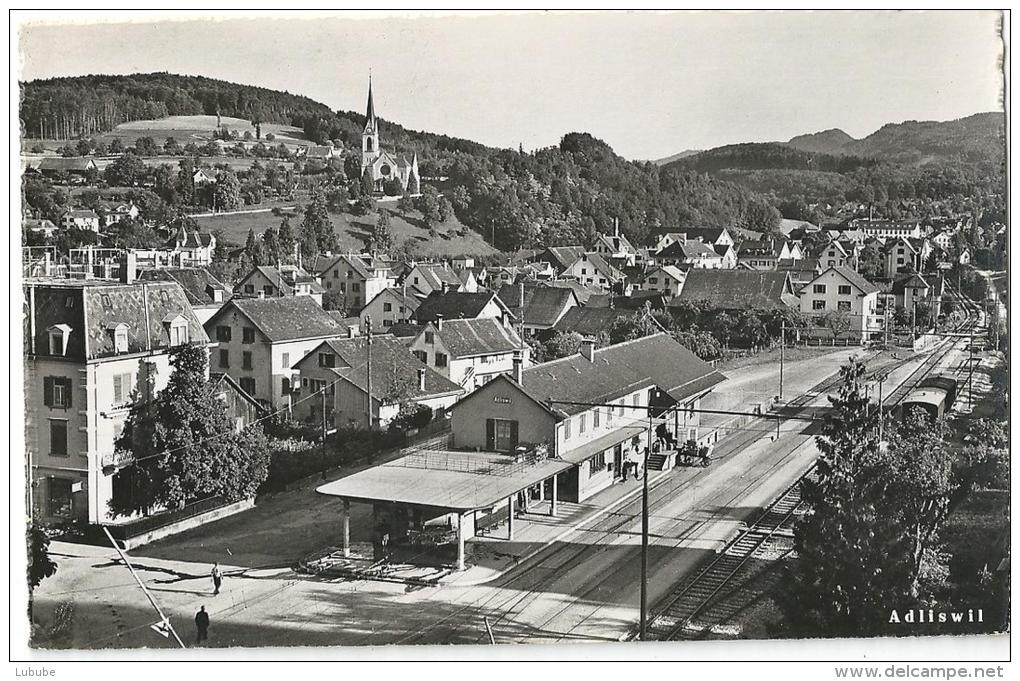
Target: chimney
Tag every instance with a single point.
(588, 349)
(352, 331)
(444, 287)
(520, 303)
(421, 378)
(518, 367)
(439, 322)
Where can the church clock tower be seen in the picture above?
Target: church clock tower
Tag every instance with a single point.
(370, 136)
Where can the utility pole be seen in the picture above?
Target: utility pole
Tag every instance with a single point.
(782, 356)
(644, 534)
(368, 367)
(881, 414)
(322, 401)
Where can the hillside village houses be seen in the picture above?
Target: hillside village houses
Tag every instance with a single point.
(258, 340)
(425, 278)
(113, 212)
(342, 367)
(359, 277)
(191, 248)
(591, 269)
(92, 348)
(391, 306)
(469, 352)
(885, 229)
(263, 281)
(537, 306)
(84, 219)
(616, 249)
(462, 305)
(668, 279)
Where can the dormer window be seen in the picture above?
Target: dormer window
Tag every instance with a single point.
(119, 333)
(177, 327)
(59, 335)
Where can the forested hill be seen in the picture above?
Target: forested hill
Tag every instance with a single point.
(768, 155)
(68, 108)
(974, 139)
(558, 195)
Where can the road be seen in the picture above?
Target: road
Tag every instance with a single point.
(583, 588)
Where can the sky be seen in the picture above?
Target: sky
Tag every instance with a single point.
(650, 84)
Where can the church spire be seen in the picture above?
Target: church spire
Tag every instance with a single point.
(370, 113)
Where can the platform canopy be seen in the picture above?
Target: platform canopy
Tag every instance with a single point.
(452, 481)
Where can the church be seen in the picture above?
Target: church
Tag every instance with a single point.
(382, 165)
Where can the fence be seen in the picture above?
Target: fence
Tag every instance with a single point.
(434, 455)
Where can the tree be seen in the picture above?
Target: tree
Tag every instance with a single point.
(127, 171)
(869, 540)
(367, 185)
(40, 565)
(558, 344)
(318, 223)
(429, 205)
(391, 187)
(116, 146)
(724, 325)
(226, 191)
(286, 239)
(335, 299)
(146, 146)
(638, 325)
(185, 446)
(382, 235)
(871, 262)
(271, 245)
(837, 322)
(83, 148)
(171, 147)
(846, 576)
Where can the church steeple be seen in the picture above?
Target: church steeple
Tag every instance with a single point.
(370, 137)
(370, 124)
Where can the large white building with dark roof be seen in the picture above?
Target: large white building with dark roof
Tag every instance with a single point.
(92, 349)
(257, 341)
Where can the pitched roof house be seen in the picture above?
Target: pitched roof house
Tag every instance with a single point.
(341, 368)
(739, 289)
(537, 306)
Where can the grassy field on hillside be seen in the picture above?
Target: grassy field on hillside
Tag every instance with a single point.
(184, 129)
(452, 237)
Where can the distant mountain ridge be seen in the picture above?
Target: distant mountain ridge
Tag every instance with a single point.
(973, 139)
(831, 141)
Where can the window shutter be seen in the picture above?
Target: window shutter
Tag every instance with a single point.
(48, 391)
(513, 434)
(67, 392)
(490, 434)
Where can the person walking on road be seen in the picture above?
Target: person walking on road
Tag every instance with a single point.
(217, 579)
(202, 624)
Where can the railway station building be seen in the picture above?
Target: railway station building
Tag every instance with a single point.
(524, 443)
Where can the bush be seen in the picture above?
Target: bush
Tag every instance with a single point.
(292, 459)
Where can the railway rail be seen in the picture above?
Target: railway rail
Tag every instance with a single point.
(706, 599)
(695, 598)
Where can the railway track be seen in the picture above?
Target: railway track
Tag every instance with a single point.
(693, 608)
